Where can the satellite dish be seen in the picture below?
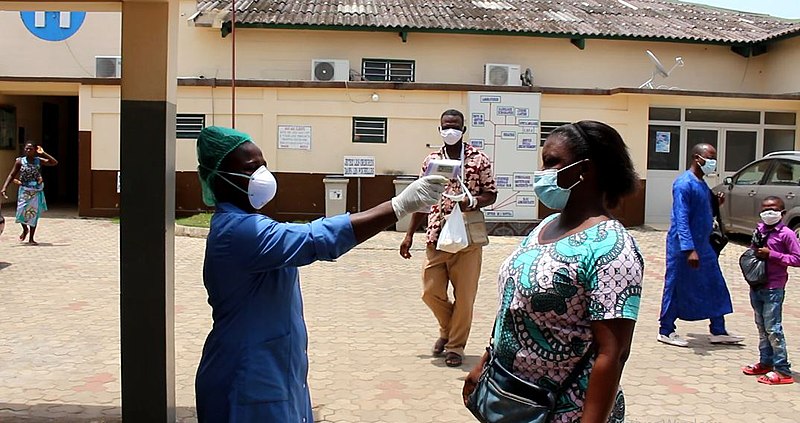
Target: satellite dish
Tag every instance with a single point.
(657, 63)
(659, 69)
(527, 78)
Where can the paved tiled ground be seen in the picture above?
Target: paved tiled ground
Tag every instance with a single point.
(369, 332)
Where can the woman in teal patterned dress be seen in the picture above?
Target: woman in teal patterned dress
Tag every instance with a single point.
(573, 286)
(30, 197)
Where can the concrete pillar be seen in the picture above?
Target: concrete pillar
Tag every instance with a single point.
(400, 183)
(335, 195)
(147, 209)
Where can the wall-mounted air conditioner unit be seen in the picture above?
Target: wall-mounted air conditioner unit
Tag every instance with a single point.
(499, 74)
(107, 66)
(330, 70)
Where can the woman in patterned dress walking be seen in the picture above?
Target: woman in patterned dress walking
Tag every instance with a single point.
(30, 197)
(572, 287)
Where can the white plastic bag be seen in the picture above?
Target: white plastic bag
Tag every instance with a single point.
(453, 237)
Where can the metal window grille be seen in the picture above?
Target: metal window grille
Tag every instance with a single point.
(388, 70)
(547, 128)
(189, 126)
(369, 129)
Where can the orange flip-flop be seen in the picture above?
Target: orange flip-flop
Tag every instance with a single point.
(775, 378)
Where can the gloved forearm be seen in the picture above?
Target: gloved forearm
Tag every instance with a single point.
(423, 192)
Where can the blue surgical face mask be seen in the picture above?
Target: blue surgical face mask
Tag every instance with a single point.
(545, 185)
(709, 166)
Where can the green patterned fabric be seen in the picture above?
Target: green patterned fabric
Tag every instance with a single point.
(550, 294)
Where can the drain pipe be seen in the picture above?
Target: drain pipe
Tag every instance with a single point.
(233, 63)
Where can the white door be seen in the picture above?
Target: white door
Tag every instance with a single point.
(665, 153)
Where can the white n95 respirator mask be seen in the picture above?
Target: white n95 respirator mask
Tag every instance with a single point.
(260, 190)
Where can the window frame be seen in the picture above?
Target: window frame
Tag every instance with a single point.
(388, 74)
(9, 118)
(188, 134)
(356, 137)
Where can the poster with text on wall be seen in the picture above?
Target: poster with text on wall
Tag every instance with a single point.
(508, 124)
(294, 137)
(662, 141)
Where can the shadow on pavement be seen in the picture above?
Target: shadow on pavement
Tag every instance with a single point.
(73, 413)
(3, 265)
(701, 346)
(41, 244)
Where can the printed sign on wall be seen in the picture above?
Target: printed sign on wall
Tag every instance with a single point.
(359, 166)
(294, 137)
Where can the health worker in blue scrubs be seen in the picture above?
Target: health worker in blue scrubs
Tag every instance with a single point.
(254, 365)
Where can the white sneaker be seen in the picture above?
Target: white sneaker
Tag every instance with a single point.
(728, 338)
(673, 339)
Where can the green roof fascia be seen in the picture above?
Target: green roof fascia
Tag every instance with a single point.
(407, 30)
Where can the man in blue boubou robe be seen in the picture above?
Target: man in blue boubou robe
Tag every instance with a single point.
(694, 288)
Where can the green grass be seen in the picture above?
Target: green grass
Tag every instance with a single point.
(202, 220)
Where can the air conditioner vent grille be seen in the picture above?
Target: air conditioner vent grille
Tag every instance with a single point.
(108, 66)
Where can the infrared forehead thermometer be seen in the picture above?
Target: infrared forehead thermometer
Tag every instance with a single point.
(450, 169)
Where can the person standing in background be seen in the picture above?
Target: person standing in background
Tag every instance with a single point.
(30, 196)
(463, 268)
(694, 288)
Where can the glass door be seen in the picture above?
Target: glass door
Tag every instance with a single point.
(664, 152)
(741, 148)
(696, 136)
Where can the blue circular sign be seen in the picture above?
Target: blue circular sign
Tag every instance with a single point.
(53, 26)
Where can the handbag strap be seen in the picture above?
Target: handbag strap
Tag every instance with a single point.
(573, 375)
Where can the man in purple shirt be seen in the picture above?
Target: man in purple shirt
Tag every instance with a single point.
(781, 250)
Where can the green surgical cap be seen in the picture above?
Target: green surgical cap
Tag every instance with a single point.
(213, 144)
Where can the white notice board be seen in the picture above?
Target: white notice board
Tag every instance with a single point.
(294, 137)
(359, 166)
(506, 127)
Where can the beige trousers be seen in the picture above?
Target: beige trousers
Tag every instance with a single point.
(462, 269)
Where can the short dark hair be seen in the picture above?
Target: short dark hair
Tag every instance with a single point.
(778, 200)
(604, 146)
(453, 112)
(701, 148)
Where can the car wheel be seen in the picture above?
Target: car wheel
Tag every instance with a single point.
(796, 229)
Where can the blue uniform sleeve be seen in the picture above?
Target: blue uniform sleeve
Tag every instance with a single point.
(277, 245)
(681, 204)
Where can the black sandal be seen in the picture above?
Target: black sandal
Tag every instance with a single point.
(453, 359)
(438, 347)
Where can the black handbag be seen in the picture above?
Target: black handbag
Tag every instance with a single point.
(754, 269)
(718, 239)
(502, 397)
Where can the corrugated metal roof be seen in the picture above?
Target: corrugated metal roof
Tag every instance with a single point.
(648, 19)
